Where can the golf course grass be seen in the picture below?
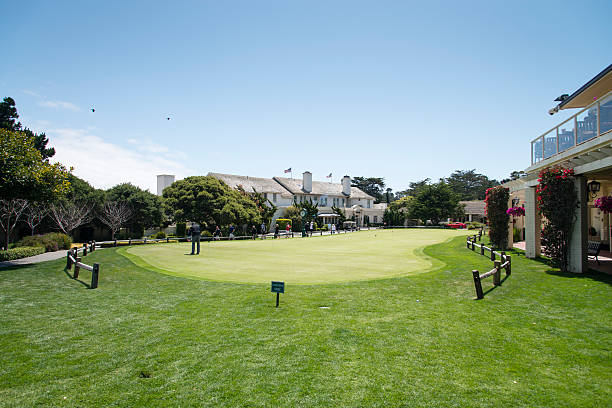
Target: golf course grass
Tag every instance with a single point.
(147, 339)
(365, 255)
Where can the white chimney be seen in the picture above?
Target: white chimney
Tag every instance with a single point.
(346, 185)
(307, 181)
(163, 181)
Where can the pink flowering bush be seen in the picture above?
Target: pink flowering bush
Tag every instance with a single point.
(604, 204)
(516, 211)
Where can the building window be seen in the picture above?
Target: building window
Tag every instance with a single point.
(274, 197)
(343, 202)
(376, 218)
(265, 196)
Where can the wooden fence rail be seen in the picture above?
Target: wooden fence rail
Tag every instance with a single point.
(505, 263)
(73, 259)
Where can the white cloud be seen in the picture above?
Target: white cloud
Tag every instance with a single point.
(59, 105)
(104, 164)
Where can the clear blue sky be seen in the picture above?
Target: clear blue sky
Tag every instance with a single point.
(395, 89)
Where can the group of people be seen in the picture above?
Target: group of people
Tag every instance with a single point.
(195, 232)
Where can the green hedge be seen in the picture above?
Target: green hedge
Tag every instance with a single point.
(53, 241)
(20, 252)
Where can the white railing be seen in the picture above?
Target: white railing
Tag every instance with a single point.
(591, 122)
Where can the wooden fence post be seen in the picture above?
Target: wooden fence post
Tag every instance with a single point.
(509, 267)
(145, 241)
(477, 284)
(482, 248)
(115, 244)
(68, 260)
(76, 268)
(93, 245)
(85, 249)
(497, 274)
(167, 240)
(492, 253)
(94, 275)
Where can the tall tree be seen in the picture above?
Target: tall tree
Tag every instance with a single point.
(373, 186)
(8, 121)
(147, 208)
(9, 115)
(434, 202)
(209, 202)
(469, 185)
(24, 173)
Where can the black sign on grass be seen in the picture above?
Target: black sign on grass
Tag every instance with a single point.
(278, 288)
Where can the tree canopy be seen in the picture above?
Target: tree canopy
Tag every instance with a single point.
(8, 121)
(469, 185)
(373, 186)
(147, 208)
(25, 173)
(434, 202)
(209, 201)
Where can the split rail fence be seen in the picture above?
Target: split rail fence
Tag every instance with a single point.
(504, 262)
(73, 258)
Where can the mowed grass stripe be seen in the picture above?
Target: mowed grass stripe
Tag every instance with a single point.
(364, 255)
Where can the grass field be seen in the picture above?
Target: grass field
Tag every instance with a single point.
(328, 259)
(145, 339)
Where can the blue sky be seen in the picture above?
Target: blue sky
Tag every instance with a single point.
(401, 90)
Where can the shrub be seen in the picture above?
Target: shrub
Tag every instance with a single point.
(474, 225)
(159, 235)
(282, 223)
(496, 205)
(206, 233)
(558, 201)
(52, 241)
(181, 229)
(21, 252)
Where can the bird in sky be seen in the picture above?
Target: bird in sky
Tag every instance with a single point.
(167, 118)
(93, 110)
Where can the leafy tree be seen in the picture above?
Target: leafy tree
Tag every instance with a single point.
(394, 217)
(434, 202)
(266, 208)
(469, 185)
(515, 175)
(389, 195)
(373, 186)
(312, 210)
(147, 208)
(209, 201)
(8, 117)
(496, 207)
(341, 214)
(24, 173)
(294, 214)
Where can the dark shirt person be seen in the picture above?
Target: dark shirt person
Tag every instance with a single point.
(276, 231)
(217, 233)
(195, 232)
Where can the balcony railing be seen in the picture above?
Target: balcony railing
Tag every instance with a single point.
(591, 122)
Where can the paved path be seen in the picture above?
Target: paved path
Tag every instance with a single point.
(47, 256)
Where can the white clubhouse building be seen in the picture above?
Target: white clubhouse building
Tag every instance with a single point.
(283, 192)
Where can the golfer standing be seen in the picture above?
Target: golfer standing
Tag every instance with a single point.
(195, 233)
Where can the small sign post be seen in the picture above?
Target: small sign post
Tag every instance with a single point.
(278, 288)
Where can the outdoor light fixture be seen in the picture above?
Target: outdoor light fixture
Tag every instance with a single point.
(594, 187)
(515, 201)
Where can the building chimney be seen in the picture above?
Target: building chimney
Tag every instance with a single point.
(346, 186)
(307, 182)
(163, 181)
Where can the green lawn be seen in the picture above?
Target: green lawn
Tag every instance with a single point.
(367, 255)
(542, 339)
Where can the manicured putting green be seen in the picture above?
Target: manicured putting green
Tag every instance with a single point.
(361, 255)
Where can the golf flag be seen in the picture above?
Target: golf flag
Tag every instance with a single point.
(288, 170)
(329, 175)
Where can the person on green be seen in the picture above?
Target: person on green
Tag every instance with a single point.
(195, 233)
